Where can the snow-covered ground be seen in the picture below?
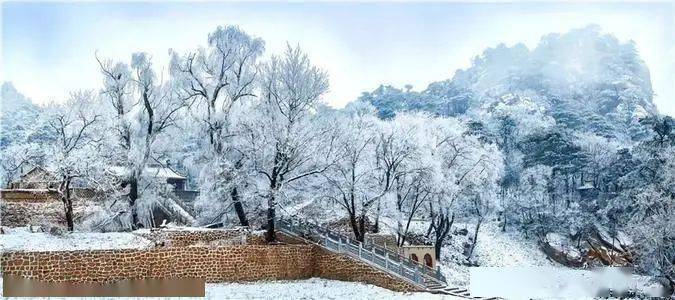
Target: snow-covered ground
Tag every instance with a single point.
(494, 249)
(506, 249)
(21, 239)
(549, 282)
(313, 288)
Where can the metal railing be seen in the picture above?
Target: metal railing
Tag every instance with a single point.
(384, 258)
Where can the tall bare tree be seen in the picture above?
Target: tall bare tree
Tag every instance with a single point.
(72, 150)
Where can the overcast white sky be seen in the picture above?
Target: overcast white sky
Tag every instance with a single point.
(48, 47)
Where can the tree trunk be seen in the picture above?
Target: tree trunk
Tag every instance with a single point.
(407, 228)
(362, 227)
(68, 206)
(505, 210)
(376, 227)
(239, 207)
(504, 220)
(432, 217)
(475, 238)
(133, 196)
(358, 234)
(442, 230)
(271, 215)
(437, 250)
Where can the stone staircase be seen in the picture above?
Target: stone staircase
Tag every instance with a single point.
(388, 261)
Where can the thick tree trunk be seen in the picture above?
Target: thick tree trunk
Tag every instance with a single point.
(239, 207)
(358, 234)
(437, 250)
(271, 236)
(432, 217)
(133, 196)
(442, 230)
(376, 227)
(362, 227)
(68, 207)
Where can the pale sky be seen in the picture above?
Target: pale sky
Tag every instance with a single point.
(48, 47)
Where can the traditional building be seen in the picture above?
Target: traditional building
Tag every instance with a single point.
(178, 181)
(35, 178)
(37, 187)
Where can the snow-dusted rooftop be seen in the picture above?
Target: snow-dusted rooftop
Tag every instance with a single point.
(154, 171)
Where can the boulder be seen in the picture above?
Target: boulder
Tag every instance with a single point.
(557, 249)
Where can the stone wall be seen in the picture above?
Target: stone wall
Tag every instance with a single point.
(182, 238)
(28, 195)
(20, 208)
(387, 241)
(19, 214)
(183, 254)
(230, 263)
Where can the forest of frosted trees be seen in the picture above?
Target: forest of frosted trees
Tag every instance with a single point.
(515, 136)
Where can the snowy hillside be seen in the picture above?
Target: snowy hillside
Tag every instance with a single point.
(504, 249)
(494, 249)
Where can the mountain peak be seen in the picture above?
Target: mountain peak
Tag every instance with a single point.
(584, 72)
(11, 99)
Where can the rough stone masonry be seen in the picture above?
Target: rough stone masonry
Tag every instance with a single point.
(233, 263)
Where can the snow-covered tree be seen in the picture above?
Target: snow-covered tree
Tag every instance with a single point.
(73, 153)
(529, 204)
(395, 154)
(351, 181)
(646, 204)
(17, 157)
(287, 141)
(142, 109)
(214, 80)
(465, 168)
